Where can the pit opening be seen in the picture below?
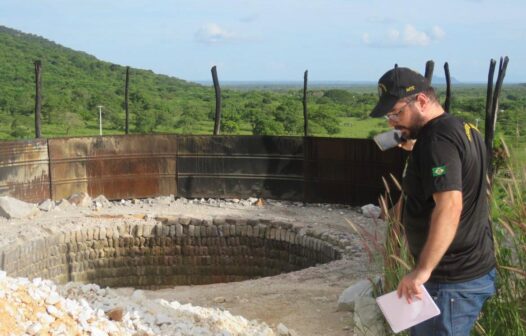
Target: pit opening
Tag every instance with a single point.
(174, 251)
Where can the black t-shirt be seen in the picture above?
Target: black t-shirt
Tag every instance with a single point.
(449, 154)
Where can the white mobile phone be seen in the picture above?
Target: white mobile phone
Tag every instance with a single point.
(388, 140)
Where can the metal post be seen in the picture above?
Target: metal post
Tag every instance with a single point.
(305, 116)
(126, 125)
(38, 97)
(217, 123)
(447, 103)
(430, 66)
(100, 119)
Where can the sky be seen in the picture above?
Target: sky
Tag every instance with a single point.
(277, 40)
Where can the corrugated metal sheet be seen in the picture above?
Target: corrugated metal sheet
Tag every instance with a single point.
(24, 170)
(240, 166)
(135, 166)
(347, 170)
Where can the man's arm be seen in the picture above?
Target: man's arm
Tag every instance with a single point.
(443, 227)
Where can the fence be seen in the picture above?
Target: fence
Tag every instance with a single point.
(310, 169)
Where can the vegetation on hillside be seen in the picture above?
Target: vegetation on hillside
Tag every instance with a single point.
(75, 83)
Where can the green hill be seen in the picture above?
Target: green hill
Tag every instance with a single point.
(75, 83)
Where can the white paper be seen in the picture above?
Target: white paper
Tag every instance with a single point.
(402, 315)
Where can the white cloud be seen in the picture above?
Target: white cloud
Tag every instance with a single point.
(413, 37)
(366, 38)
(393, 35)
(212, 33)
(410, 36)
(438, 33)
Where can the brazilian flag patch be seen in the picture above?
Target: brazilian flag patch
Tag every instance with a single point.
(439, 171)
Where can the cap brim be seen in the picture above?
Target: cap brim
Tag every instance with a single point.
(385, 104)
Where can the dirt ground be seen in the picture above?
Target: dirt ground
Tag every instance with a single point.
(305, 300)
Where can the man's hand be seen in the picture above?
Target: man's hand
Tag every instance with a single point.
(408, 145)
(409, 286)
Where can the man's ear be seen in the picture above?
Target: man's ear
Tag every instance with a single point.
(422, 101)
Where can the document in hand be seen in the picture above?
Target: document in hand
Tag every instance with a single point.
(402, 315)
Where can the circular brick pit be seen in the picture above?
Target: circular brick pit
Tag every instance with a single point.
(174, 251)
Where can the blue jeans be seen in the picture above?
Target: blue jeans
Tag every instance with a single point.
(460, 305)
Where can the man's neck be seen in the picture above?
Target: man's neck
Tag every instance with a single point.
(435, 110)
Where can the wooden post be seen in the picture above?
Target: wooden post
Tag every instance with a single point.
(217, 123)
(38, 97)
(488, 137)
(492, 107)
(305, 115)
(447, 103)
(126, 125)
(430, 66)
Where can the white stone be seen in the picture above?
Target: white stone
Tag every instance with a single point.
(346, 301)
(63, 205)
(53, 298)
(371, 211)
(283, 330)
(102, 200)
(162, 319)
(12, 208)
(45, 318)
(53, 311)
(34, 328)
(368, 319)
(97, 332)
(81, 199)
(47, 205)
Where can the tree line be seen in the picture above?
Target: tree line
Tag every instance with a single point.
(74, 84)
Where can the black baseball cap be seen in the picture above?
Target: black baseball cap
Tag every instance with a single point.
(395, 84)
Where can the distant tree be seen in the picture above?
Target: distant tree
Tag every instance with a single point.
(19, 130)
(72, 121)
(325, 119)
(144, 122)
(266, 100)
(264, 124)
(230, 120)
(288, 114)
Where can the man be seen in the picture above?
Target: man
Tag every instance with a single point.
(445, 214)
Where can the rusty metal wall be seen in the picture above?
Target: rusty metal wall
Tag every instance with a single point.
(348, 170)
(133, 166)
(24, 170)
(308, 169)
(240, 166)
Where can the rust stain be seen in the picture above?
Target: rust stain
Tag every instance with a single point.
(24, 170)
(135, 166)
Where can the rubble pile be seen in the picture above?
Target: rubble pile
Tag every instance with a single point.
(39, 307)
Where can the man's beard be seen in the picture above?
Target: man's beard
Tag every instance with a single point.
(416, 124)
(409, 133)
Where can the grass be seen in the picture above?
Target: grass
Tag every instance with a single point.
(505, 314)
(360, 128)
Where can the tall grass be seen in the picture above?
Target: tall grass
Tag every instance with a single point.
(505, 313)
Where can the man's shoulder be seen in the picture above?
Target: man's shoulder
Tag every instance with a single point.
(446, 121)
(443, 127)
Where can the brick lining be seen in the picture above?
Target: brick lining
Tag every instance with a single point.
(175, 251)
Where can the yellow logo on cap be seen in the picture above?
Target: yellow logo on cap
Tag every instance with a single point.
(381, 89)
(410, 88)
